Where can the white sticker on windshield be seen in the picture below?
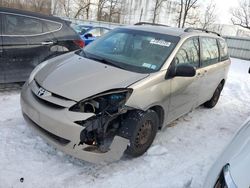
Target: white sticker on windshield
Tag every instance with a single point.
(160, 42)
(150, 66)
(153, 67)
(146, 65)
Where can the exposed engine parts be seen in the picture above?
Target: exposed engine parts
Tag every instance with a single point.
(109, 110)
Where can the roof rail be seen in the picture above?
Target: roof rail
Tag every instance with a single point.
(148, 23)
(189, 29)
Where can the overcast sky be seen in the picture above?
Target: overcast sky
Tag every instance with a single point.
(223, 8)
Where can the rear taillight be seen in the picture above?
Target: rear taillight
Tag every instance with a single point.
(79, 43)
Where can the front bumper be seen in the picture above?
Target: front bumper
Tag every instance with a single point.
(57, 127)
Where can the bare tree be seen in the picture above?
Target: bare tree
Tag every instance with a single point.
(42, 6)
(156, 8)
(64, 5)
(101, 5)
(209, 16)
(110, 10)
(82, 6)
(114, 9)
(241, 14)
(184, 11)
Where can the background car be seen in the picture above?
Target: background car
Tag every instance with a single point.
(81, 28)
(231, 170)
(27, 39)
(92, 33)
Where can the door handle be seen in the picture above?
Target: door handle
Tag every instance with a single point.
(47, 43)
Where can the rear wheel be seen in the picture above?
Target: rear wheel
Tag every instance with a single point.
(143, 127)
(213, 101)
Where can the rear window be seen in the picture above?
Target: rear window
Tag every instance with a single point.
(223, 50)
(210, 51)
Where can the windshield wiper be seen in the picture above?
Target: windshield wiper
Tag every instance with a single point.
(105, 61)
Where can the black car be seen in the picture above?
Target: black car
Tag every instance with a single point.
(27, 39)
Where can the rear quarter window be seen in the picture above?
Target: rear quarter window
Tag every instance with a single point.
(223, 50)
(50, 26)
(210, 51)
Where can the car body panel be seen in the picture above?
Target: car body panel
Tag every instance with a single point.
(237, 155)
(83, 76)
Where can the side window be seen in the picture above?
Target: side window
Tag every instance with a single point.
(223, 50)
(210, 51)
(95, 32)
(21, 25)
(51, 26)
(189, 53)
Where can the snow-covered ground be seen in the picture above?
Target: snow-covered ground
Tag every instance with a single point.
(180, 156)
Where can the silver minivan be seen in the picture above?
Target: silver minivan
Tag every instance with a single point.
(114, 95)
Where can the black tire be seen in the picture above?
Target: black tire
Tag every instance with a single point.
(143, 127)
(213, 101)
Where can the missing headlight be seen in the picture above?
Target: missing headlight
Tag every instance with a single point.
(110, 102)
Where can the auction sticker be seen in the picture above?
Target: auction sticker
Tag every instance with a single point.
(160, 42)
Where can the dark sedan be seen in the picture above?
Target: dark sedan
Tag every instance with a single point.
(27, 39)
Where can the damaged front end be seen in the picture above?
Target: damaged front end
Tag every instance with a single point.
(101, 129)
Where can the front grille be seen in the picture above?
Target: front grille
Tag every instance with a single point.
(55, 138)
(35, 87)
(47, 103)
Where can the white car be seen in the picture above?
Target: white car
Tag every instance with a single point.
(231, 170)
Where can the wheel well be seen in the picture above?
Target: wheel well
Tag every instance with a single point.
(160, 112)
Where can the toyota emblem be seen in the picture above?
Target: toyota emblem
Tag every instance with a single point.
(40, 92)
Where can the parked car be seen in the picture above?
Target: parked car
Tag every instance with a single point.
(81, 29)
(116, 93)
(91, 34)
(231, 169)
(27, 39)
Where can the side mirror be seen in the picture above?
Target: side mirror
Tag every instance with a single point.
(185, 70)
(88, 35)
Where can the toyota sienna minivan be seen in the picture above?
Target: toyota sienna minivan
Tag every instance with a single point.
(112, 97)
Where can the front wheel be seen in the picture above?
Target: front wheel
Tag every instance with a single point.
(143, 126)
(213, 101)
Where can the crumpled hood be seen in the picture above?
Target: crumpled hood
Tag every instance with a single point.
(77, 78)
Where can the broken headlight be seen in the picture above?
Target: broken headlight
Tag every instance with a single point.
(110, 102)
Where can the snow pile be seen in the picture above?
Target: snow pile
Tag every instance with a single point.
(180, 156)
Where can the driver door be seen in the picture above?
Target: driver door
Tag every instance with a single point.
(184, 90)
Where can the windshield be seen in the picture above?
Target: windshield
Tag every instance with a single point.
(132, 50)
